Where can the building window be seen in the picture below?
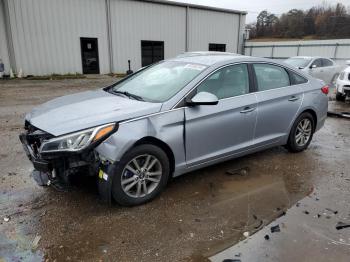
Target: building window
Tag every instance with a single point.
(151, 52)
(217, 47)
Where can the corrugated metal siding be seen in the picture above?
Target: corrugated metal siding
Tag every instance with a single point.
(212, 27)
(285, 49)
(3, 41)
(46, 34)
(133, 21)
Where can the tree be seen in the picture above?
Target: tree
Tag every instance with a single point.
(323, 21)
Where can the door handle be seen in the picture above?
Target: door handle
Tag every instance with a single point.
(247, 109)
(293, 98)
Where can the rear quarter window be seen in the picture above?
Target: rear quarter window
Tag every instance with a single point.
(297, 79)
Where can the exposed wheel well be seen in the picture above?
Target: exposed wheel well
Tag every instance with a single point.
(163, 146)
(314, 116)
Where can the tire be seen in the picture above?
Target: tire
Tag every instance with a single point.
(296, 144)
(128, 175)
(340, 97)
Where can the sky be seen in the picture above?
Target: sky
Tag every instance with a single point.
(254, 7)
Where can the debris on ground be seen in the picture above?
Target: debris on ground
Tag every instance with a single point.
(339, 114)
(239, 171)
(246, 234)
(333, 211)
(306, 212)
(231, 260)
(6, 219)
(259, 225)
(341, 225)
(267, 237)
(275, 229)
(283, 213)
(35, 242)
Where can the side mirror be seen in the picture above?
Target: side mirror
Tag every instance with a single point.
(203, 98)
(313, 66)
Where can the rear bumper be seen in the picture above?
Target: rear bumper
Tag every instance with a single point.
(344, 90)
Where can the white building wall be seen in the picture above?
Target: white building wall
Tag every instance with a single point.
(133, 21)
(46, 34)
(213, 27)
(4, 55)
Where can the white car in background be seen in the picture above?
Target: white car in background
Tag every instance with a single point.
(318, 67)
(343, 85)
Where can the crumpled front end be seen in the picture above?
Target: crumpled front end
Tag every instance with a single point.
(56, 168)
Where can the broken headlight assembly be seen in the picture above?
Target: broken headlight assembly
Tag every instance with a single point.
(78, 141)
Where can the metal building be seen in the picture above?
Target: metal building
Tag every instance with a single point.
(43, 37)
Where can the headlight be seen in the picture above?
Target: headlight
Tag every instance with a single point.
(77, 141)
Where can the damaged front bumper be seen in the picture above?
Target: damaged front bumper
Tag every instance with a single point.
(56, 168)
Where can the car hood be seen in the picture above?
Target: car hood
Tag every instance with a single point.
(80, 111)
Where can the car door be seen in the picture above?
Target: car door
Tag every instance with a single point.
(328, 70)
(317, 70)
(278, 102)
(216, 131)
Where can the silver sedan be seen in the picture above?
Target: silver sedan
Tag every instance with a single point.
(173, 117)
(319, 67)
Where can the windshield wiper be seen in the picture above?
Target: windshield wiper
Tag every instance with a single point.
(125, 93)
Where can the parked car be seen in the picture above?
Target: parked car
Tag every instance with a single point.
(173, 117)
(318, 67)
(343, 85)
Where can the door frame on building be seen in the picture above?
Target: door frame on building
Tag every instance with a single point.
(84, 69)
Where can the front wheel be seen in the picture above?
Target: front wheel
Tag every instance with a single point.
(141, 175)
(301, 133)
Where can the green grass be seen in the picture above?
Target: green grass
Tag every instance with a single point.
(56, 77)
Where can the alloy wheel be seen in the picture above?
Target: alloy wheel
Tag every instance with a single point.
(141, 176)
(303, 132)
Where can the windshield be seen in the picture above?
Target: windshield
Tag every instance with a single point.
(299, 62)
(160, 82)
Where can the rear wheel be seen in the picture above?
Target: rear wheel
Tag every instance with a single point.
(301, 133)
(141, 175)
(340, 97)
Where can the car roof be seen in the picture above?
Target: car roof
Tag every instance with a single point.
(310, 57)
(214, 58)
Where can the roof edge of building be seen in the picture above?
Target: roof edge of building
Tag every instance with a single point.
(203, 7)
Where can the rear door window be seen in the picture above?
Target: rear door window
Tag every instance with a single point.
(317, 63)
(270, 76)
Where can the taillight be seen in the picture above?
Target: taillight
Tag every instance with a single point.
(325, 90)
